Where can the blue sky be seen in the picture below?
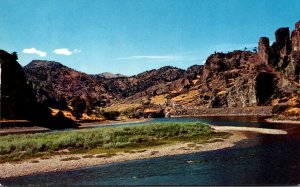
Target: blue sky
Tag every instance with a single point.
(131, 36)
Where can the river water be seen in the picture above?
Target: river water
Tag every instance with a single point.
(259, 160)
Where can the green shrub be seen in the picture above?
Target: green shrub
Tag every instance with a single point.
(111, 115)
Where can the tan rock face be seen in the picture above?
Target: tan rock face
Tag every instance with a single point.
(264, 50)
(296, 37)
(229, 79)
(243, 93)
(292, 70)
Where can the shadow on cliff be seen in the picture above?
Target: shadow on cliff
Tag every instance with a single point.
(40, 115)
(18, 101)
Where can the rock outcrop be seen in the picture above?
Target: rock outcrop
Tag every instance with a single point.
(16, 95)
(264, 52)
(293, 67)
(296, 37)
(281, 48)
(229, 80)
(283, 55)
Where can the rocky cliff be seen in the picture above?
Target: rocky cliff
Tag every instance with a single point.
(15, 92)
(243, 78)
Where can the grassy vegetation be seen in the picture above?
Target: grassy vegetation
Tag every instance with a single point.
(159, 99)
(191, 96)
(17, 147)
(121, 107)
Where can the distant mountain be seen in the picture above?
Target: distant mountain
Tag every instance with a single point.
(110, 75)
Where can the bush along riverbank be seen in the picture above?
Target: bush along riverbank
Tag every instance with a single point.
(109, 139)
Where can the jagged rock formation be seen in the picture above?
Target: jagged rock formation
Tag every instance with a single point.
(283, 55)
(242, 79)
(283, 58)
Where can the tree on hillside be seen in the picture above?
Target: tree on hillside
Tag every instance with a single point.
(15, 55)
(89, 105)
(78, 106)
(255, 49)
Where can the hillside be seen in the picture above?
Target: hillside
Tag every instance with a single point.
(55, 84)
(269, 77)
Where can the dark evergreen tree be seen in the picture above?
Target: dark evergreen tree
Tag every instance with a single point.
(15, 55)
(255, 49)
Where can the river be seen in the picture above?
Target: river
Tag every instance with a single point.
(259, 160)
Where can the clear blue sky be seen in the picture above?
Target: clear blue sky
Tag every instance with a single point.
(131, 36)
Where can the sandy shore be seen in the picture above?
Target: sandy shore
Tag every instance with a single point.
(36, 129)
(283, 121)
(72, 161)
(249, 129)
(19, 130)
(110, 122)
